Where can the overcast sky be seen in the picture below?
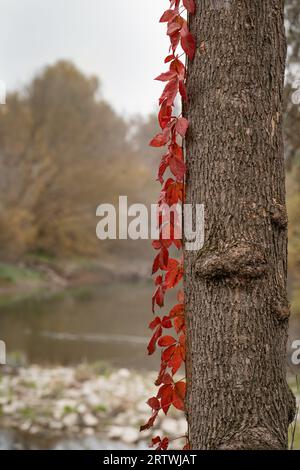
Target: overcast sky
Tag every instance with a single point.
(121, 41)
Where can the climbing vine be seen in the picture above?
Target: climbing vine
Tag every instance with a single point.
(168, 271)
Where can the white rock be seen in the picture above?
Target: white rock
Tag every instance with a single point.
(25, 426)
(11, 408)
(82, 408)
(101, 383)
(115, 432)
(124, 373)
(182, 426)
(87, 389)
(89, 431)
(57, 414)
(169, 426)
(122, 419)
(90, 420)
(130, 435)
(74, 393)
(70, 420)
(93, 399)
(34, 430)
(56, 425)
(142, 407)
(4, 400)
(64, 403)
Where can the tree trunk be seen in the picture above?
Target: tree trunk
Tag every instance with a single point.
(235, 286)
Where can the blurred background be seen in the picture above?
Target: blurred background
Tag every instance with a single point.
(74, 132)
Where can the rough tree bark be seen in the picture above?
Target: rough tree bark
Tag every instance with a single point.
(235, 287)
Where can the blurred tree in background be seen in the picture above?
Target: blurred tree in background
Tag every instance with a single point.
(292, 118)
(63, 151)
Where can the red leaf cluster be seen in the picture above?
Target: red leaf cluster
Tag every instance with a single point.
(162, 444)
(168, 331)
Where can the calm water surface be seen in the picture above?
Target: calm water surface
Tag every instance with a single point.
(96, 323)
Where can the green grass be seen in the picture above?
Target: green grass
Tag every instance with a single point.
(294, 429)
(28, 413)
(69, 409)
(99, 409)
(13, 274)
(296, 433)
(296, 302)
(294, 384)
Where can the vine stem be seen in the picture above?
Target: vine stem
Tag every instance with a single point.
(173, 129)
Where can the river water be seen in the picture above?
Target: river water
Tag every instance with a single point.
(95, 323)
(107, 322)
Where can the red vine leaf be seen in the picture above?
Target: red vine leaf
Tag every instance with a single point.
(179, 324)
(175, 26)
(190, 5)
(182, 91)
(177, 310)
(180, 296)
(175, 361)
(174, 275)
(162, 167)
(170, 92)
(168, 15)
(165, 77)
(154, 323)
(175, 39)
(177, 167)
(166, 341)
(165, 394)
(178, 67)
(179, 395)
(152, 343)
(158, 297)
(169, 58)
(154, 403)
(161, 260)
(150, 422)
(172, 192)
(188, 44)
(166, 322)
(168, 353)
(160, 139)
(161, 444)
(161, 374)
(182, 125)
(155, 266)
(167, 379)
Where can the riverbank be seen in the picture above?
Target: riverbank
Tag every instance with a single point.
(82, 402)
(84, 407)
(37, 274)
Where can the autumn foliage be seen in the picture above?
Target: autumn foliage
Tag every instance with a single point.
(168, 271)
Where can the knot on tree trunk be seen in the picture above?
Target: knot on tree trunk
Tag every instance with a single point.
(279, 215)
(257, 438)
(240, 260)
(282, 309)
